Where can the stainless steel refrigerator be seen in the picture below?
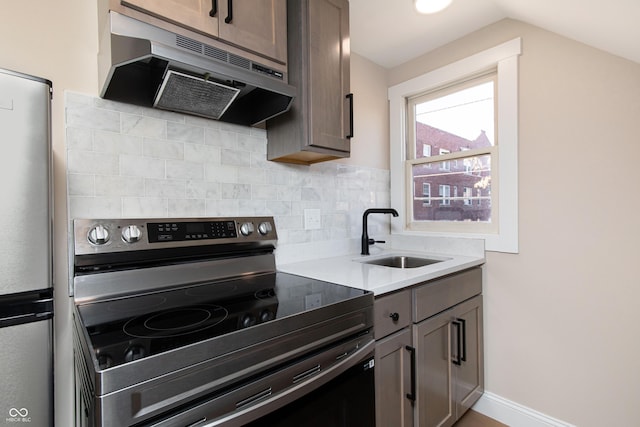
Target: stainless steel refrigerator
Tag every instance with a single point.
(26, 277)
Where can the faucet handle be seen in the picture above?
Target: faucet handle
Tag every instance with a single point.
(371, 241)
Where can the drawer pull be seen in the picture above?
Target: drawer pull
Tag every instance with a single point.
(457, 359)
(229, 17)
(394, 316)
(412, 352)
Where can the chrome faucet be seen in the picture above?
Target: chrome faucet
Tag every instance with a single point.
(365, 236)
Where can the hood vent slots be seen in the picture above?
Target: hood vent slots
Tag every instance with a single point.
(145, 65)
(215, 53)
(187, 43)
(239, 62)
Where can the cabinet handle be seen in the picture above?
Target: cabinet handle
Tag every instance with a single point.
(394, 316)
(229, 17)
(464, 339)
(214, 8)
(457, 360)
(412, 351)
(350, 98)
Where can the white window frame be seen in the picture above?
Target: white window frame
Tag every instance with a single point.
(427, 197)
(467, 195)
(504, 58)
(444, 192)
(446, 164)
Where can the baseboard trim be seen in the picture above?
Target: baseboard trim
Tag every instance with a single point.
(514, 414)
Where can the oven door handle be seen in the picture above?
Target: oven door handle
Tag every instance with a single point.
(276, 401)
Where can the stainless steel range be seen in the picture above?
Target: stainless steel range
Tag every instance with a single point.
(186, 322)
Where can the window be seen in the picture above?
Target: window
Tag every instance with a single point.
(426, 194)
(445, 195)
(446, 165)
(467, 195)
(459, 120)
(466, 112)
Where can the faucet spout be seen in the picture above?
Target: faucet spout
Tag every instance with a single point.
(364, 246)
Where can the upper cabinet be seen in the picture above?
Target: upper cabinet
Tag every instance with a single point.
(319, 125)
(257, 26)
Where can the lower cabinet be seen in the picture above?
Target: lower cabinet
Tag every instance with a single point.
(394, 403)
(449, 364)
(428, 373)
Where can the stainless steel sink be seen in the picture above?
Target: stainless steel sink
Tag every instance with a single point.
(402, 261)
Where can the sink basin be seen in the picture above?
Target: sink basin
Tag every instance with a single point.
(401, 261)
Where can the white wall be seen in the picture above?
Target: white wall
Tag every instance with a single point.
(560, 316)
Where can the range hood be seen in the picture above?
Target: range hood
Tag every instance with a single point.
(145, 65)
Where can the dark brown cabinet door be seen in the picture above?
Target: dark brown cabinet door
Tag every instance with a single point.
(469, 381)
(435, 404)
(319, 122)
(258, 26)
(393, 380)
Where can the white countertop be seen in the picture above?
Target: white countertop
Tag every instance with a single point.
(350, 270)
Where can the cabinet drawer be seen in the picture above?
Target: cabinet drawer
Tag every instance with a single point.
(438, 295)
(392, 312)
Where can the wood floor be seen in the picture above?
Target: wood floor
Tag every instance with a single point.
(475, 419)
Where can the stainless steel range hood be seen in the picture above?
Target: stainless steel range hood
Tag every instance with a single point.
(145, 65)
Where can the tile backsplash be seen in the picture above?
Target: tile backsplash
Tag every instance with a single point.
(128, 161)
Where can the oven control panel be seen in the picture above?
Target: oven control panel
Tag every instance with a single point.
(92, 236)
(185, 231)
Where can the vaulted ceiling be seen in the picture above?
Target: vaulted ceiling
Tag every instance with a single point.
(390, 32)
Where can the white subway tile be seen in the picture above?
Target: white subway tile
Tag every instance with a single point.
(81, 184)
(161, 149)
(236, 191)
(186, 208)
(89, 117)
(162, 188)
(235, 158)
(144, 207)
(116, 143)
(145, 167)
(196, 189)
(90, 162)
(110, 186)
(149, 127)
(202, 153)
(94, 207)
(185, 133)
(177, 169)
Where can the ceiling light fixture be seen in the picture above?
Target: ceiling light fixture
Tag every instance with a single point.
(431, 6)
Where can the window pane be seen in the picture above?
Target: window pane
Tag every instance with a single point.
(472, 174)
(458, 121)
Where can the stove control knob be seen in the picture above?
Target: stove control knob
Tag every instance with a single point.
(246, 229)
(98, 235)
(247, 320)
(131, 234)
(267, 315)
(134, 352)
(105, 361)
(265, 228)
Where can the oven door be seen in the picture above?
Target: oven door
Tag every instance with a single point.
(345, 401)
(332, 388)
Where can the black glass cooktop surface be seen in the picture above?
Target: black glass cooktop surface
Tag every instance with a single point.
(131, 328)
